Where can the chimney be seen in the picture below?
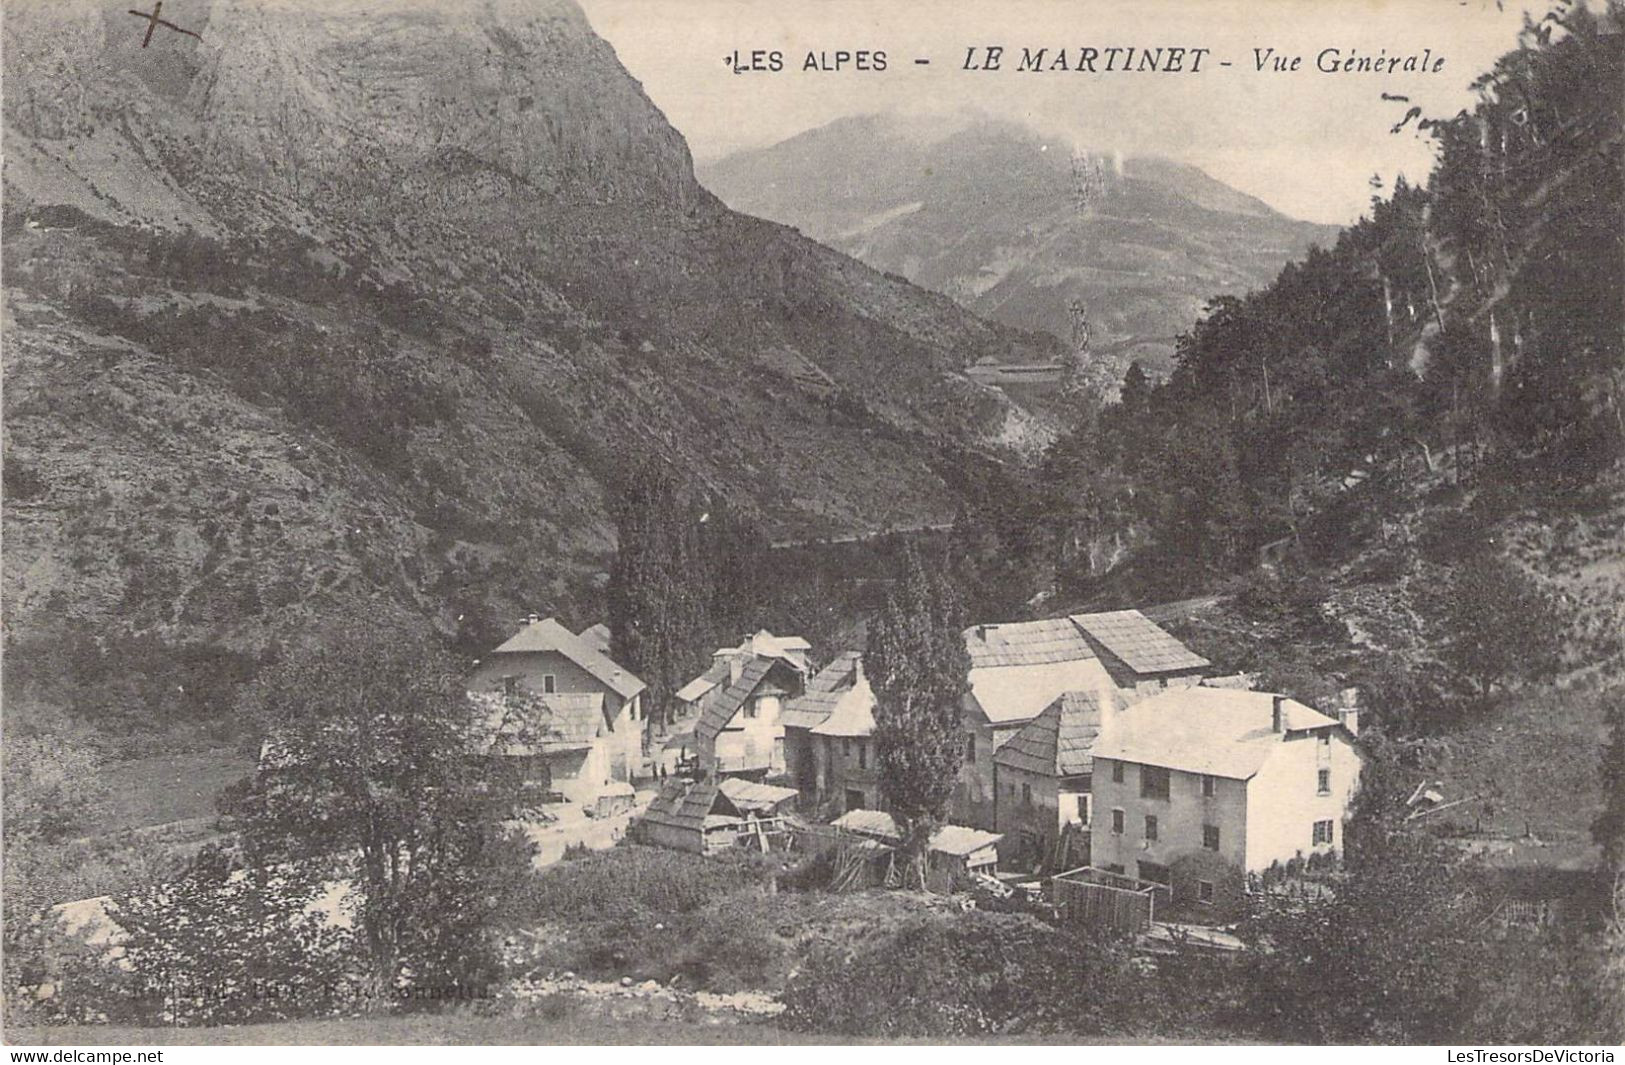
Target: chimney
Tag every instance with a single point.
(1277, 713)
(1348, 710)
(981, 633)
(736, 666)
(534, 618)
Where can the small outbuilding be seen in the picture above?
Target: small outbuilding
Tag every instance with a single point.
(957, 852)
(704, 816)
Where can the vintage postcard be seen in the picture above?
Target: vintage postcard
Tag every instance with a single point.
(744, 522)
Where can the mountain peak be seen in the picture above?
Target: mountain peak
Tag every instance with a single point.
(1020, 224)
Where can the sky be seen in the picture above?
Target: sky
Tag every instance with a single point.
(1305, 142)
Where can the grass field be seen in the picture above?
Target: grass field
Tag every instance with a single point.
(165, 788)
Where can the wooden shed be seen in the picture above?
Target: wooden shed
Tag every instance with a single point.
(957, 852)
(705, 817)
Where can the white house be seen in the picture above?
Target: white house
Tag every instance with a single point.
(734, 707)
(594, 706)
(1197, 787)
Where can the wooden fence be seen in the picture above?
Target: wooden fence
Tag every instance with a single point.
(1097, 899)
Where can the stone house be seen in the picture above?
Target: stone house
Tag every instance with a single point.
(1041, 784)
(1019, 668)
(829, 748)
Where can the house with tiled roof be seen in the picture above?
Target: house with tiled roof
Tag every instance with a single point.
(829, 746)
(730, 714)
(547, 664)
(1197, 787)
(1020, 668)
(1042, 777)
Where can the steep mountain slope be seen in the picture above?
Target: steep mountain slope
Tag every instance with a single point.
(347, 308)
(1017, 226)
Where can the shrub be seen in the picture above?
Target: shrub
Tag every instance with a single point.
(954, 975)
(636, 882)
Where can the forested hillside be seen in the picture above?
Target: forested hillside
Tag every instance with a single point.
(1466, 334)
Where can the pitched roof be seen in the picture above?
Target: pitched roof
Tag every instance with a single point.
(596, 637)
(694, 689)
(1141, 644)
(792, 649)
(722, 707)
(1026, 643)
(1015, 696)
(1060, 741)
(1224, 732)
(747, 795)
(548, 635)
(956, 840)
(683, 804)
(853, 713)
(810, 708)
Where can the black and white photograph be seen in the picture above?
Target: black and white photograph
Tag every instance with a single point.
(837, 522)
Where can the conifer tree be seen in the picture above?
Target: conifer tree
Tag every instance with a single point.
(917, 664)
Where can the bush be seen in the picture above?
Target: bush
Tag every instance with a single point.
(954, 975)
(633, 882)
(655, 914)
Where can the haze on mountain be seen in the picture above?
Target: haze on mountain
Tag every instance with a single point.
(1019, 225)
(364, 307)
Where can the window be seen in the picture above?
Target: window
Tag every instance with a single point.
(1208, 786)
(1083, 808)
(1152, 871)
(1153, 782)
(510, 685)
(1204, 891)
(1115, 867)
(549, 683)
(1117, 772)
(854, 799)
(1325, 739)
(1323, 832)
(750, 711)
(970, 748)
(1026, 795)
(1210, 837)
(1150, 827)
(1117, 822)
(1323, 782)
(863, 755)
(846, 749)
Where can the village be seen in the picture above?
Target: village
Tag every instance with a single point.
(1106, 768)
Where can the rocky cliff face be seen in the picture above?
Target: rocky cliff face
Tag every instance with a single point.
(360, 307)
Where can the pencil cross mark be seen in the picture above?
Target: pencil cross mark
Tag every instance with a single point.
(153, 22)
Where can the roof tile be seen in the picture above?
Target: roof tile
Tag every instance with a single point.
(1141, 644)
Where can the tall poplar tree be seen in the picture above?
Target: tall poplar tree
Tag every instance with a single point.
(918, 667)
(659, 586)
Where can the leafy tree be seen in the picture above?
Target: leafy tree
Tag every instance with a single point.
(1497, 624)
(1386, 958)
(917, 664)
(368, 770)
(235, 941)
